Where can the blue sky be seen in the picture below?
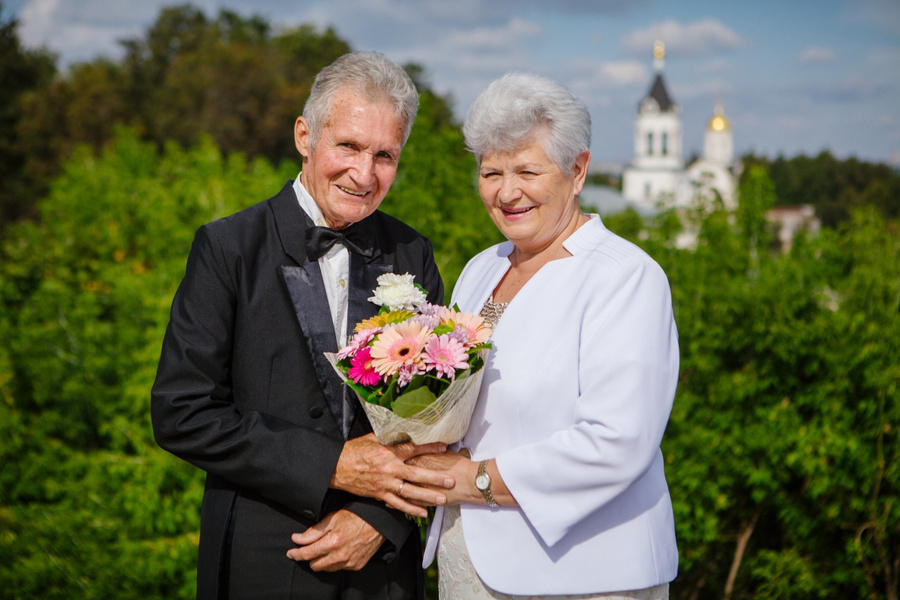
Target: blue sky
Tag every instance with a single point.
(794, 76)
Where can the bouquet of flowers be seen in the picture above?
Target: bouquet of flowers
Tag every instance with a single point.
(415, 367)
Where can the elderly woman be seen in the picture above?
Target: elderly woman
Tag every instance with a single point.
(564, 494)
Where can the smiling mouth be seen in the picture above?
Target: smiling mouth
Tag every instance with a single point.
(351, 192)
(516, 211)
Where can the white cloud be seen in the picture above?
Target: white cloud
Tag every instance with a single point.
(816, 55)
(603, 83)
(701, 37)
(513, 32)
(83, 30)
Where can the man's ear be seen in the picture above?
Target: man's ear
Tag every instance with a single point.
(302, 137)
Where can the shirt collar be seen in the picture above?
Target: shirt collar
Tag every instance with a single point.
(309, 205)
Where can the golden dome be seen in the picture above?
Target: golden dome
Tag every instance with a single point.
(719, 123)
(659, 49)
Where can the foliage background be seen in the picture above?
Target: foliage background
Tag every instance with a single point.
(782, 449)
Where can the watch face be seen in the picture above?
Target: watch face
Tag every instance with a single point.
(482, 482)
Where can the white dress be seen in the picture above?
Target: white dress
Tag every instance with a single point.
(457, 579)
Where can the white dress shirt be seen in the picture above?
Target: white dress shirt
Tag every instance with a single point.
(575, 399)
(335, 267)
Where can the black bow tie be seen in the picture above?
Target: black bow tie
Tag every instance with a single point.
(356, 238)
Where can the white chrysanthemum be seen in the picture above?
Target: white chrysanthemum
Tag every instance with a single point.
(397, 292)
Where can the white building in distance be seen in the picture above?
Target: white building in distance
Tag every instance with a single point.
(657, 177)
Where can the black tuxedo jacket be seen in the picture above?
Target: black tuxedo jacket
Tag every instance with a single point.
(243, 390)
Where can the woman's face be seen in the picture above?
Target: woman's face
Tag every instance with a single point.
(529, 198)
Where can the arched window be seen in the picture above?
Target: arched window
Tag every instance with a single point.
(665, 143)
(649, 142)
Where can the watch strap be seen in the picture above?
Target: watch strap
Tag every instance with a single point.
(486, 492)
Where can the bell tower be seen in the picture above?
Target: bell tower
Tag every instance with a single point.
(657, 165)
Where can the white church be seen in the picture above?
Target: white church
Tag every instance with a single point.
(657, 177)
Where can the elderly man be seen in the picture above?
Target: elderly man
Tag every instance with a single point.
(244, 392)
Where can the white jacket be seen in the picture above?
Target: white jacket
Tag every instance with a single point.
(575, 399)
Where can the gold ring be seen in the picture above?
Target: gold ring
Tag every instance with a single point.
(400, 489)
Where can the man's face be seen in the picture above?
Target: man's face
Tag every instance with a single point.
(355, 159)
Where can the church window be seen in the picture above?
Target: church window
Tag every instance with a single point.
(665, 143)
(650, 142)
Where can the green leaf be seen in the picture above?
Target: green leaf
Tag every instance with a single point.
(389, 394)
(413, 402)
(442, 329)
(365, 394)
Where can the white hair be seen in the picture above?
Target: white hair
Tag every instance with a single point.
(369, 73)
(512, 108)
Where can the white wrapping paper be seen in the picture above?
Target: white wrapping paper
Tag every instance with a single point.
(445, 420)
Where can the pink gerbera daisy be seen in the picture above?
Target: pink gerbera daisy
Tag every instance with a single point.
(445, 355)
(361, 369)
(360, 340)
(399, 344)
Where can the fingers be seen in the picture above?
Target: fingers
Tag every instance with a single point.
(346, 542)
(368, 468)
(412, 499)
(311, 535)
(408, 450)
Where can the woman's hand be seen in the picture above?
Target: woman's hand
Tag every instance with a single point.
(463, 471)
(455, 465)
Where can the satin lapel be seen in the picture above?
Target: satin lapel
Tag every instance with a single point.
(307, 291)
(304, 284)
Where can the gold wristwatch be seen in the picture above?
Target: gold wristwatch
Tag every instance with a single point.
(483, 483)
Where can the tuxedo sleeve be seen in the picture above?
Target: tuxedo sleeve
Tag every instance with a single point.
(192, 404)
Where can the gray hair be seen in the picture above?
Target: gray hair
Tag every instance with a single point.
(514, 106)
(371, 74)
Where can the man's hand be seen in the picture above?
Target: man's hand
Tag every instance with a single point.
(368, 468)
(342, 540)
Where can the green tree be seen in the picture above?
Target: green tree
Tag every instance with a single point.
(782, 448)
(21, 72)
(89, 506)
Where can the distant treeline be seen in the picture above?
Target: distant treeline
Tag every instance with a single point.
(834, 187)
